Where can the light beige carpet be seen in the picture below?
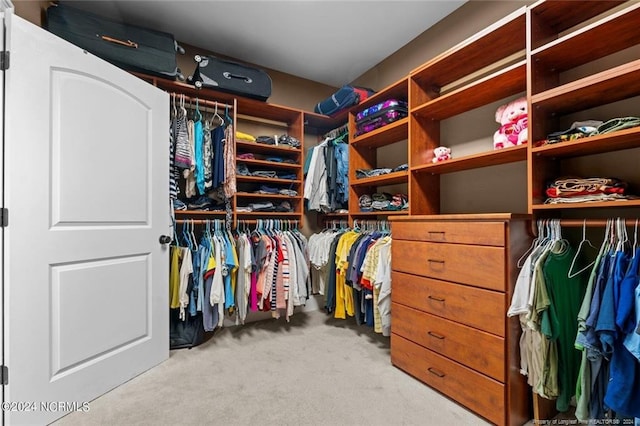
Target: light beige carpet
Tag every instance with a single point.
(315, 370)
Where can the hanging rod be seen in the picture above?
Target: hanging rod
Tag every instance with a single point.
(337, 131)
(206, 102)
(576, 223)
(198, 221)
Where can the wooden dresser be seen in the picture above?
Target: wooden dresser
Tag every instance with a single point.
(453, 277)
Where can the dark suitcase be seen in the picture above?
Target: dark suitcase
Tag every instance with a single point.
(347, 96)
(380, 115)
(231, 77)
(126, 46)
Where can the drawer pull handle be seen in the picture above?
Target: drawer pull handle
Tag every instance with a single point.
(436, 335)
(441, 262)
(435, 372)
(437, 299)
(438, 234)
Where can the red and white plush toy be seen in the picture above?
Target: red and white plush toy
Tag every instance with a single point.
(441, 153)
(514, 119)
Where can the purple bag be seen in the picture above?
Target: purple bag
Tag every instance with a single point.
(380, 115)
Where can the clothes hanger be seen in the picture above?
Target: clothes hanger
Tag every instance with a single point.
(197, 115)
(573, 262)
(635, 240)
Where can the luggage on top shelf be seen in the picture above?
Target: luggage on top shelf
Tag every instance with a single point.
(380, 115)
(231, 77)
(347, 96)
(127, 46)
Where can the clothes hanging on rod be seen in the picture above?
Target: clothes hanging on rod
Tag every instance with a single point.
(230, 274)
(327, 175)
(576, 321)
(351, 268)
(203, 153)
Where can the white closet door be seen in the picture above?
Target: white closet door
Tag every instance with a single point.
(86, 185)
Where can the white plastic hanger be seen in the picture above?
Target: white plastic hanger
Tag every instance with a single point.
(573, 262)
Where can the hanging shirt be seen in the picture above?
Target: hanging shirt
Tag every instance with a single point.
(198, 150)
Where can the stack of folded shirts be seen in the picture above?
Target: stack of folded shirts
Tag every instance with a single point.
(576, 189)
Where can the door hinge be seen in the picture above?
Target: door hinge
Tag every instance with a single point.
(4, 373)
(4, 217)
(4, 60)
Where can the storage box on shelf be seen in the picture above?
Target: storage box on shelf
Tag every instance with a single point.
(366, 152)
(257, 118)
(570, 83)
(486, 68)
(453, 278)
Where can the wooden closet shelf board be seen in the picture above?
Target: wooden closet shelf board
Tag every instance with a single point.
(323, 123)
(382, 180)
(265, 180)
(612, 85)
(622, 139)
(199, 213)
(397, 90)
(246, 106)
(267, 214)
(562, 15)
(261, 148)
(485, 159)
(274, 164)
(506, 82)
(588, 205)
(569, 51)
(387, 135)
(252, 195)
(381, 213)
(490, 45)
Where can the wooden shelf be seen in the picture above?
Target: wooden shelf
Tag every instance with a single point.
(612, 85)
(382, 180)
(491, 88)
(569, 51)
(262, 148)
(320, 124)
(485, 159)
(495, 42)
(253, 195)
(398, 90)
(588, 205)
(333, 214)
(199, 213)
(267, 214)
(274, 164)
(381, 213)
(622, 139)
(260, 179)
(553, 17)
(387, 135)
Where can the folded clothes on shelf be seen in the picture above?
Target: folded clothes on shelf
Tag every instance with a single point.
(575, 186)
(204, 203)
(290, 176)
(246, 156)
(365, 173)
(288, 140)
(587, 128)
(289, 192)
(179, 205)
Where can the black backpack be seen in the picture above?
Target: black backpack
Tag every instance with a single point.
(187, 333)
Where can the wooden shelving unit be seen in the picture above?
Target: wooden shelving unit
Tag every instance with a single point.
(486, 68)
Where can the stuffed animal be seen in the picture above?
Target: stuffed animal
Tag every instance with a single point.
(514, 120)
(441, 153)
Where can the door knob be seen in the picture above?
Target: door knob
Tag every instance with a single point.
(165, 239)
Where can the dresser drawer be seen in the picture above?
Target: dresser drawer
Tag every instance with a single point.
(481, 394)
(477, 233)
(472, 306)
(479, 266)
(477, 349)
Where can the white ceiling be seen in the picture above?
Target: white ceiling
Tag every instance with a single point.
(331, 42)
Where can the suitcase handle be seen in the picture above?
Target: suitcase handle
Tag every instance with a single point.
(229, 76)
(127, 43)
